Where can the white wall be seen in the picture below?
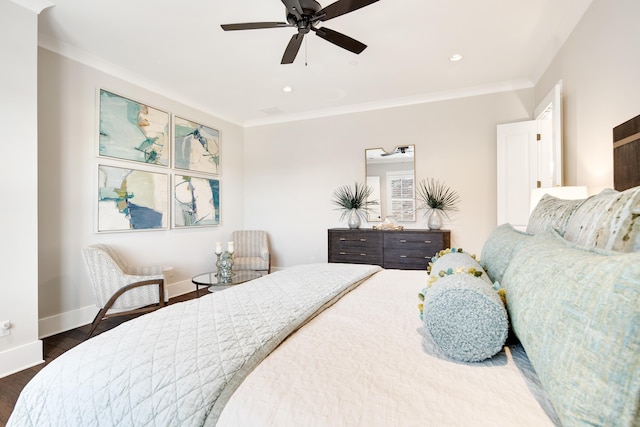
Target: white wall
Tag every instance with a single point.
(19, 188)
(292, 169)
(599, 66)
(67, 193)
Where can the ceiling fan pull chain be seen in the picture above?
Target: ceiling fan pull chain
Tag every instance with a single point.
(306, 64)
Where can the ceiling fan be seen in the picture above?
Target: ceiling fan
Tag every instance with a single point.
(399, 150)
(305, 14)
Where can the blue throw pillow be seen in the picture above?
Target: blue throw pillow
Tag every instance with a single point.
(465, 317)
(577, 314)
(500, 248)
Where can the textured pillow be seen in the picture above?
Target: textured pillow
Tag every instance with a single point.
(453, 262)
(465, 317)
(551, 213)
(577, 314)
(499, 249)
(608, 220)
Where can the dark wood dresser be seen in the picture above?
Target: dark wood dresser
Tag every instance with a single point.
(404, 250)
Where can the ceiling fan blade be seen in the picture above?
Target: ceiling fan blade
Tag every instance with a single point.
(340, 39)
(293, 7)
(341, 7)
(292, 49)
(254, 26)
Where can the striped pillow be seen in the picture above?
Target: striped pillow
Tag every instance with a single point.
(608, 220)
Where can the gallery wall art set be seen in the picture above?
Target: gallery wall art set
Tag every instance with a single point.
(167, 160)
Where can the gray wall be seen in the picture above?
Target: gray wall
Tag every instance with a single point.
(292, 169)
(598, 66)
(19, 188)
(67, 193)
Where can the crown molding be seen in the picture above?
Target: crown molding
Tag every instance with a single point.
(35, 6)
(425, 98)
(50, 43)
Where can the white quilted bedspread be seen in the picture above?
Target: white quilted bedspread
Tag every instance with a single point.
(178, 366)
(368, 361)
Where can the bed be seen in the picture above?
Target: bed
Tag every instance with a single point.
(363, 360)
(347, 345)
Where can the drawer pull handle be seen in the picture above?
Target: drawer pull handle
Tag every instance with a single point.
(427, 241)
(347, 253)
(403, 240)
(342, 239)
(363, 240)
(403, 256)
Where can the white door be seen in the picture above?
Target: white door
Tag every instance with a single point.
(517, 171)
(529, 156)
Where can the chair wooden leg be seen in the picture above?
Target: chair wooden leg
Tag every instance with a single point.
(102, 314)
(96, 321)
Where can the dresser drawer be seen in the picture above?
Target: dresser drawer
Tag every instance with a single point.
(405, 250)
(355, 246)
(401, 239)
(410, 257)
(412, 250)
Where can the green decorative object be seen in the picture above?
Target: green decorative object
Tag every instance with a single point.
(352, 202)
(437, 199)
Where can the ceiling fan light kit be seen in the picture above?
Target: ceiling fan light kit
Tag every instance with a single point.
(306, 15)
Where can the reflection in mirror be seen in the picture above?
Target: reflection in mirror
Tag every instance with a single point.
(391, 175)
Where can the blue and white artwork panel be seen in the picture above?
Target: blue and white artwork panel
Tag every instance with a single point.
(132, 199)
(196, 147)
(133, 131)
(196, 201)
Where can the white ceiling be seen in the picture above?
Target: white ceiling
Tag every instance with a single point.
(178, 49)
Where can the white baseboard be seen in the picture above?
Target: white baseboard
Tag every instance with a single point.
(62, 322)
(181, 288)
(20, 358)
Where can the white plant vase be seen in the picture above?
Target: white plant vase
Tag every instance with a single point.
(435, 219)
(354, 219)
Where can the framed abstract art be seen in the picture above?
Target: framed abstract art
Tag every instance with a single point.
(130, 130)
(196, 201)
(196, 147)
(131, 199)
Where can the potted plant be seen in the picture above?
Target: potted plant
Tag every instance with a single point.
(437, 199)
(352, 202)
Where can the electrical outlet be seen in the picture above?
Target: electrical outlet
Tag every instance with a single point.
(5, 328)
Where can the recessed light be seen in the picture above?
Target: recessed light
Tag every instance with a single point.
(455, 57)
(287, 89)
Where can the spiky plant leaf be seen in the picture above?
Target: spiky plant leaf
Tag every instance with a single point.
(347, 198)
(434, 194)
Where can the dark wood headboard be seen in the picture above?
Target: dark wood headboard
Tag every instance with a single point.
(626, 154)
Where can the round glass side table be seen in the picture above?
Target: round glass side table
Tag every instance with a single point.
(210, 280)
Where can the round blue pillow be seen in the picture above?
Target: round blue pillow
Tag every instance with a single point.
(449, 263)
(465, 317)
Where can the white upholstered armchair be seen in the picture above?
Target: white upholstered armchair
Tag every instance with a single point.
(120, 289)
(251, 251)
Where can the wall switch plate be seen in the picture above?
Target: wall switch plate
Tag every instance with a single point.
(5, 328)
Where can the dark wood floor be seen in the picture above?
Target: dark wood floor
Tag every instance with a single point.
(54, 346)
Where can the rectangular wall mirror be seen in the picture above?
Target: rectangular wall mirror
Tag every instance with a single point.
(391, 174)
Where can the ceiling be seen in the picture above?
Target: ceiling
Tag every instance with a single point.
(178, 49)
